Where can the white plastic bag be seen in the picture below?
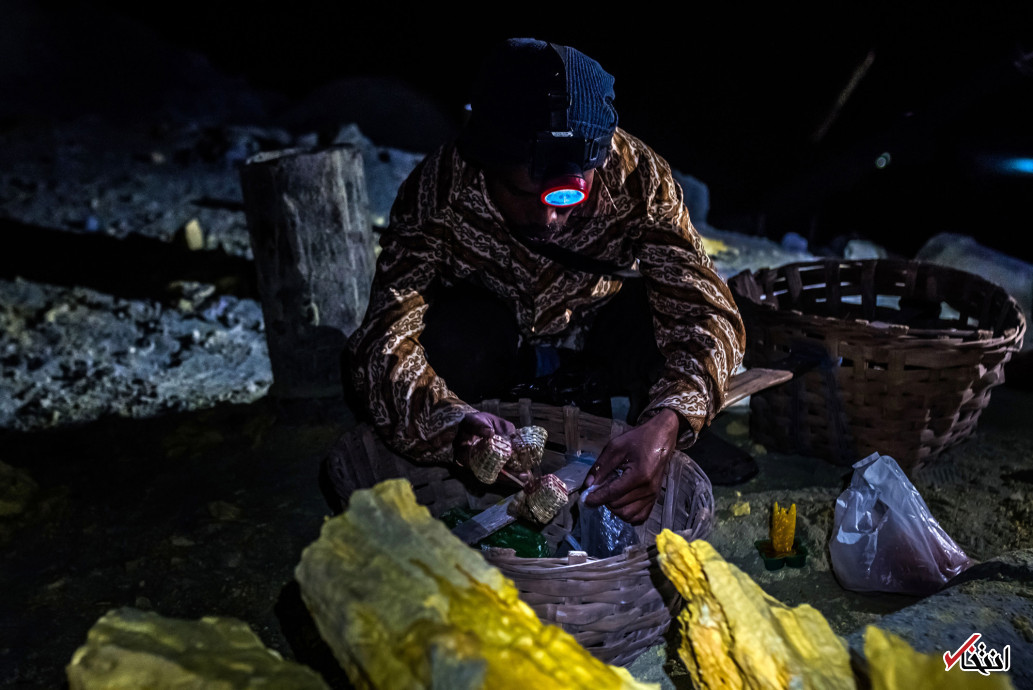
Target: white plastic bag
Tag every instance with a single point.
(884, 538)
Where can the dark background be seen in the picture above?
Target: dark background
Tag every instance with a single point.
(733, 95)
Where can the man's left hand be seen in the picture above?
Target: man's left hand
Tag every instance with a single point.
(642, 454)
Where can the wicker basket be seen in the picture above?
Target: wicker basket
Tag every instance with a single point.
(615, 607)
(895, 357)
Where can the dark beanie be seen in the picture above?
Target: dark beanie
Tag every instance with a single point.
(527, 86)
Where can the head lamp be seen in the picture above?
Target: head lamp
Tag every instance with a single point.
(564, 191)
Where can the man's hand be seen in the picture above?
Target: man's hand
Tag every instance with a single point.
(642, 454)
(476, 426)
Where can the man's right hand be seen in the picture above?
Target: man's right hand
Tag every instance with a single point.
(476, 426)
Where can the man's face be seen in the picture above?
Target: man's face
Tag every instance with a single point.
(518, 197)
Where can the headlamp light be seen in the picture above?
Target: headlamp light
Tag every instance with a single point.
(564, 191)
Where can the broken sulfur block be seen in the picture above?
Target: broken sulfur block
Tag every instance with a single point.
(734, 635)
(893, 664)
(129, 648)
(405, 604)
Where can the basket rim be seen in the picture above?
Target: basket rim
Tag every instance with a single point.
(904, 335)
(524, 406)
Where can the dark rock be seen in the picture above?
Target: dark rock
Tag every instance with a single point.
(993, 598)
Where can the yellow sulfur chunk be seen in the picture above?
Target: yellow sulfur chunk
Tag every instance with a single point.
(734, 635)
(783, 530)
(404, 604)
(894, 665)
(129, 648)
(713, 246)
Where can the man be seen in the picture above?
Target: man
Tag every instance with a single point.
(510, 252)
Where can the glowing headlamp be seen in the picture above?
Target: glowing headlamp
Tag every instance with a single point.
(564, 191)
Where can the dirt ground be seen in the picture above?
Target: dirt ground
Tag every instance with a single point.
(206, 513)
(142, 463)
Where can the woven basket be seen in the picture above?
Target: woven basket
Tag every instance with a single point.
(615, 607)
(895, 357)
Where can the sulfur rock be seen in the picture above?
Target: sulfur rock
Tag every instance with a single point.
(404, 604)
(734, 635)
(129, 648)
(893, 664)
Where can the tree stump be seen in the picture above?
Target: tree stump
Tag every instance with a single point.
(308, 218)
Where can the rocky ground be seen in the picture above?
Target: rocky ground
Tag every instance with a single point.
(143, 463)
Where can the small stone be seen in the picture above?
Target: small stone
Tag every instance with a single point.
(738, 428)
(193, 235)
(224, 510)
(741, 508)
(233, 559)
(181, 541)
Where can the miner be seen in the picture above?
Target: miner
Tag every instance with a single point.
(546, 253)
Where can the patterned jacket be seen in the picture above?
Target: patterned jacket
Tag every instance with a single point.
(444, 227)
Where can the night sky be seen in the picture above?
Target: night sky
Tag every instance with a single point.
(733, 96)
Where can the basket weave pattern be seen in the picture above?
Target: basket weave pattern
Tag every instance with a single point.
(895, 357)
(615, 607)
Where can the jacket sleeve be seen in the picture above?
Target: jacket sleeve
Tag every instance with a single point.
(697, 324)
(411, 407)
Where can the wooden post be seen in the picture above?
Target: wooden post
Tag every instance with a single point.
(308, 217)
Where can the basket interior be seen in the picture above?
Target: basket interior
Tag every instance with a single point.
(892, 356)
(685, 503)
(925, 298)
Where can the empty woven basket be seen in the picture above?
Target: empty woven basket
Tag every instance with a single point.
(615, 607)
(895, 357)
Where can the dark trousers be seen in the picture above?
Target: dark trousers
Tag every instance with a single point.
(471, 340)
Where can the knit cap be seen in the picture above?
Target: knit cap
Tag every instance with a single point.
(526, 87)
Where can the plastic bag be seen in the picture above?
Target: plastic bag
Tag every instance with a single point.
(525, 541)
(599, 532)
(884, 538)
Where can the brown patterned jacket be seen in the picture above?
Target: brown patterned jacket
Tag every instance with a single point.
(444, 227)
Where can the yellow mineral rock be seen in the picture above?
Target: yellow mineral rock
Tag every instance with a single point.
(734, 635)
(894, 665)
(714, 246)
(129, 648)
(405, 604)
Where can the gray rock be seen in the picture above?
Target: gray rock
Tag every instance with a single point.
(697, 197)
(385, 168)
(744, 252)
(966, 254)
(863, 249)
(994, 599)
(74, 355)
